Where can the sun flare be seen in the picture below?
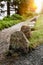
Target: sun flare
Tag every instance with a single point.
(39, 5)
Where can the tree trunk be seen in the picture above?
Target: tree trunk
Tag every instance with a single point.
(8, 8)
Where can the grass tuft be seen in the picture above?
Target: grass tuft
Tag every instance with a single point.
(37, 35)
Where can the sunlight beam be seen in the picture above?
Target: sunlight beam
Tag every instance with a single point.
(39, 5)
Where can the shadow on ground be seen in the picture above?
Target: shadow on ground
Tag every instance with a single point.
(35, 57)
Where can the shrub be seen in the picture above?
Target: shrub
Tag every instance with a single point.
(16, 16)
(6, 18)
(10, 21)
(30, 14)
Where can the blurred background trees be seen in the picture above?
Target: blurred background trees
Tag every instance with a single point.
(24, 6)
(21, 7)
(42, 8)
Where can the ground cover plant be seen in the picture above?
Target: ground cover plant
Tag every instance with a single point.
(10, 21)
(37, 35)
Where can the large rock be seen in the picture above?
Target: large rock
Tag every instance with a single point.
(26, 30)
(18, 41)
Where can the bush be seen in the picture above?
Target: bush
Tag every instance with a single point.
(6, 18)
(10, 21)
(30, 14)
(16, 17)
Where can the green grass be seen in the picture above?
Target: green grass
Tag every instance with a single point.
(10, 21)
(37, 35)
(14, 19)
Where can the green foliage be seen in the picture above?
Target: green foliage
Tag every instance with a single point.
(37, 35)
(13, 17)
(16, 17)
(10, 21)
(30, 14)
(39, 23)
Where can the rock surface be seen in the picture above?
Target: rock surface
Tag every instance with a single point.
(26, 30)
(19, 41)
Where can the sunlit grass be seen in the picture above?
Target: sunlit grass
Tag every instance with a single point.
(37, 35)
